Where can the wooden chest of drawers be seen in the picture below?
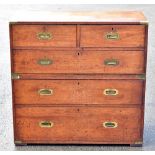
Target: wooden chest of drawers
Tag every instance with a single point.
(79, 81)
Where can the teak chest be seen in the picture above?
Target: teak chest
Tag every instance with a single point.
(79, 78)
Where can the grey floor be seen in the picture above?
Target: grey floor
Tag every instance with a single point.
(42, 13)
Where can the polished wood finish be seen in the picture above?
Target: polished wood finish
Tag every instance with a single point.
(77, 76)
(80, 124)
(26, 61)
(78, 92)
(27, 35)
(129, 36)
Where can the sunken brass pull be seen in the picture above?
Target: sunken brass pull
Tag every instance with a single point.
(111, 62)
(112, 36)
(110, 124)
(45, 62)
(45, 92)
(44, 36)
(110, 92)
(46, 124)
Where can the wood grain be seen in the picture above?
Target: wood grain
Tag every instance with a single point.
(26, 61)
(26, 35)
(78, 77)
(78, 92)
(129, 36)
(77, 124)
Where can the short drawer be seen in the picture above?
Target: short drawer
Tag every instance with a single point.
(78, 91)
(46, 61)
(112, 36)
(77, 124)
(43, 36)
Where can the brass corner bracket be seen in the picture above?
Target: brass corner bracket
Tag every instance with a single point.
(139, 142)
(144, 22)
(142, 76)
(12, 23)
(18, 142)
(15, 76)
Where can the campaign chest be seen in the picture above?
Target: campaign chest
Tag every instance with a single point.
(79, 79)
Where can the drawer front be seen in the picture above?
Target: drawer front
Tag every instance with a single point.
(78, 91)
(43, 36)
(27, 61)
(66, 124)
(112, 36)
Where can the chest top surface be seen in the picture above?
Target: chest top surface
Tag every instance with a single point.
(110, 17)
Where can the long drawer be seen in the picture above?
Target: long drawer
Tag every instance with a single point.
(43, 36)
(78, 91)
(77, 124)
(90, 36)
(112, 36)
(45, 61)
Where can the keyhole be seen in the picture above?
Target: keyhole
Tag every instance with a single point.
(78, 83)
(113, 29)
(78, 53)
(44, 28)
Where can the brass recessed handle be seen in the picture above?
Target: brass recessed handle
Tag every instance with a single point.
(112, 36)
(111, 62)
(110, 124)
(45, 62)
(45, 92)
(110, 92)
(46, 124)
(44, 36)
